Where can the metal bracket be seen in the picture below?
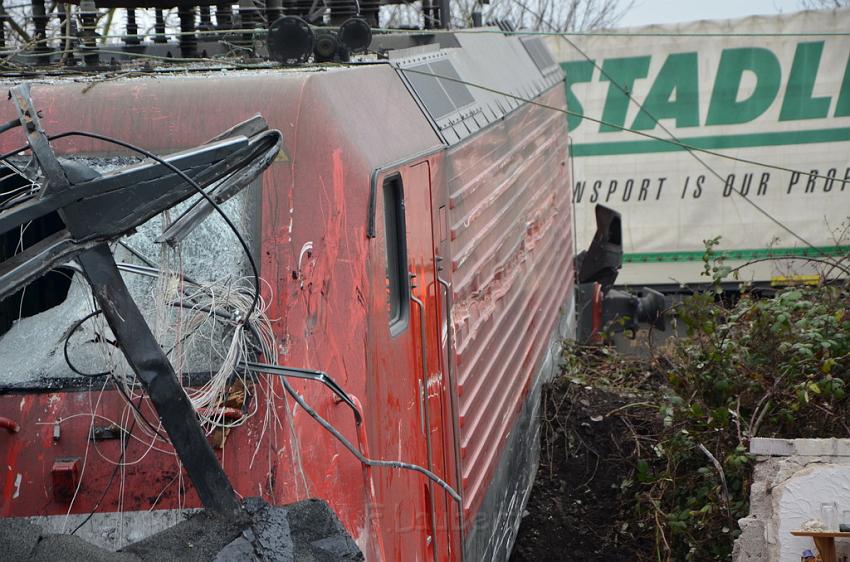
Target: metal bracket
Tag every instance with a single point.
(308, 374)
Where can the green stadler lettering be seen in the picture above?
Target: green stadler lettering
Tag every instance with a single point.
(725, 108)
(576, 72)
(622, 74)
(798, 102)
(674, 94)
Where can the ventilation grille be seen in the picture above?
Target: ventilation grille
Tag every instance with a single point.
(539, 54)
(441, 97)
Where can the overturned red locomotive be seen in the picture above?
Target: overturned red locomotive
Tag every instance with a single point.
(412, 235)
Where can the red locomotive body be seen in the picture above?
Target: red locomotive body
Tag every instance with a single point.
(415, 236)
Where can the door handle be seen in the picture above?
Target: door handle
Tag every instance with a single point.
(424, 418)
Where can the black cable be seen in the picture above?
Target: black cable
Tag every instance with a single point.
(691, 150)
(672, 141)
(356, 452)
(194, 184)
(8, 155)
(76, 326)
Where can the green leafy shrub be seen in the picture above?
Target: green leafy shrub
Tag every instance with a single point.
(774, 366)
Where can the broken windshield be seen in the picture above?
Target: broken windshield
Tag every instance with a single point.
(50, 333)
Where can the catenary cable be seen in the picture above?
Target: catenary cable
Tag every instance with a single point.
(650, 136)
(673, 137)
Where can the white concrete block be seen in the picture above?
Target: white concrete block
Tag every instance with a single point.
(770, 447)
(822, 447)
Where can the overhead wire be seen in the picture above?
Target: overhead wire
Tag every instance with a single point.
(326, 425)
(691, 150)
(627, 33)
(671, 141)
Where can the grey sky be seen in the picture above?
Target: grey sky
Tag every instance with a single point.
(647, 12)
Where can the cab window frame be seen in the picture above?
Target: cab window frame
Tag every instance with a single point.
(395, 253)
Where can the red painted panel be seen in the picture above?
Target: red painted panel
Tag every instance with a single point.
(511, 260)
(499, 204)
(338, 126)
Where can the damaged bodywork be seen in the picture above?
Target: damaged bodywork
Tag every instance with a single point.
(98, 209)
(412, 245)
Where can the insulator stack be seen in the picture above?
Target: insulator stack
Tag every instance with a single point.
(249, 14)
(341, 10)
(274, 9)
(223, 16)
(300, 8)
(188, 40)
(206, 19)
(2, 28)
(159, 27)
(88, 32)
(39, 19)
(369, 11)
(132, 37)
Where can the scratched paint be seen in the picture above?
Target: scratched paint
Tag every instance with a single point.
(508, 260)
(511, 232)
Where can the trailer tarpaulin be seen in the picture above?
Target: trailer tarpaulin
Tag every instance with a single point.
(772, 90)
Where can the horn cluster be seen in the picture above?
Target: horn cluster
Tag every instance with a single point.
(291, 40)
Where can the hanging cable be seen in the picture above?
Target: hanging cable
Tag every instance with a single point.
(74, 327)
(616, 33)
(356, 452)
(248, 254)
(125, 442)
(118, 385)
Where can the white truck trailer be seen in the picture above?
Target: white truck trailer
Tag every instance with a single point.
(771, 92)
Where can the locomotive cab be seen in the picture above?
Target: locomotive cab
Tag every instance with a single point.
(413, 241)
